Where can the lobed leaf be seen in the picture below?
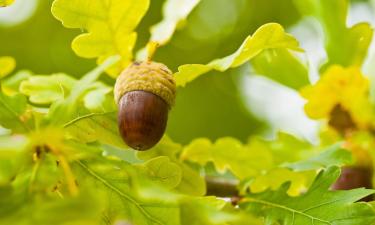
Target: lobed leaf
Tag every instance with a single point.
(334, 155)
(268, 36)
(109, 24)
(174, 13)
(317, 206)
(47, 89)
(228, 154)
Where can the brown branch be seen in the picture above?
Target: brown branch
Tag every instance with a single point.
(221, 187)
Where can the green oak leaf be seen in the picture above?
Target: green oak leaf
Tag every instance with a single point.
(84, 128)
(192, 182)
(334, 155)
(109, 24)
(344, 46)
(11, 84)
(174, 13)
(228, 154)
(12, 112)
(100, 99)
(268, 36)
(274, 178)
(163, 171)
(282, 66)
(113, 180)
(47, 89)
(63, 111)
(317, 206)
(7, 64)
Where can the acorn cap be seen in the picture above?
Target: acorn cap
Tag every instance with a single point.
(147, 76)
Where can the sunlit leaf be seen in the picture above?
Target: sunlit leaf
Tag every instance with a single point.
(7, 64)
(11, 84)
(163, 171)
(110, 27)
(174, 13)
(192, 182)
(61, 112)
(47, 89)
(85, 127)
(228, 154)
(12, 109)
(268, 36)
(332, 156)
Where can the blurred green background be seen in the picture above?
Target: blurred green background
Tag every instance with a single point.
(212, 106)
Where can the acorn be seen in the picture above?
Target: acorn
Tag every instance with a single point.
(144, 92)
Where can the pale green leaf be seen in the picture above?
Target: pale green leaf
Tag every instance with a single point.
(109, 24)
(282, 66)
(174, 13)
(228, 154)
(11, 84)
(334, 155)
(274, 178)
(12, 109)
(61, 112)
(7, 64)
(100, 99)
(268, 36)
(47, 89)
(192, 182)
(163, 171)
(344, 46)
(84, 128)
(317, 206)
(111, 178)
(12, 149)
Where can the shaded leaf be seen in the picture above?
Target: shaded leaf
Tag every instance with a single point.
(282, 66)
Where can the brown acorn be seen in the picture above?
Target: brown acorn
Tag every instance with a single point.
(145, 91)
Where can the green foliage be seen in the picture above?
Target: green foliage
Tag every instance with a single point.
(7, 64)
(174, 13)
(344, 46)
(313, 206)
(268, 36)
(109, 25)
(62, 158)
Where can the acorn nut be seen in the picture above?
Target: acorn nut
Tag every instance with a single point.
(144, 92)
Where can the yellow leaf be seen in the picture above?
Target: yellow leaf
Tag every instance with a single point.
(109, 24)
(4, 3)
(7, 65)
